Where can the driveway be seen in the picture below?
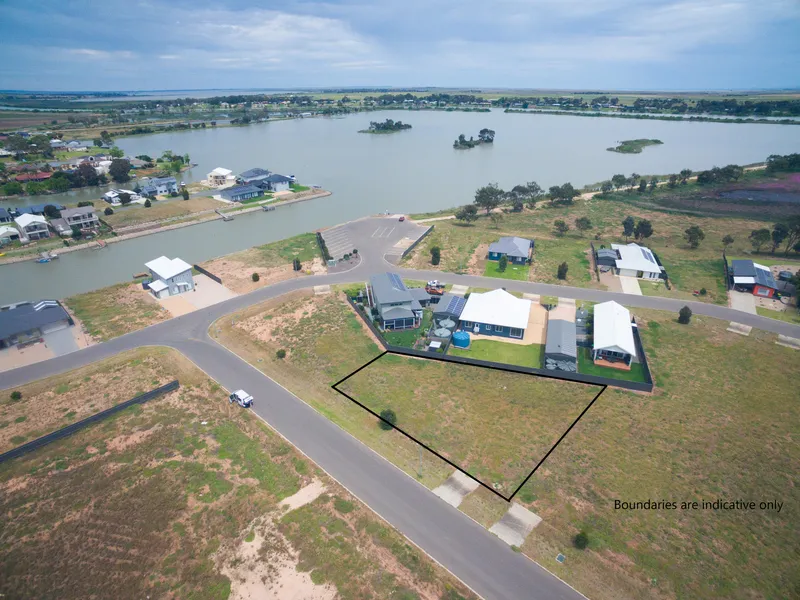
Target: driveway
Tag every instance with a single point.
(743, 302)
(630, 285)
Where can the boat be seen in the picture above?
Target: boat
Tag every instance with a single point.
(44, 257)
(266, 208)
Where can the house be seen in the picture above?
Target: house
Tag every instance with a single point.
(57, 144)
(76, 146)
(4, 216)
(102, 167)
(277, 183)
(170, 276)
(396, 308)
(220, 177)
(631, 260)
(253, 176)
(560, 348)
(238, 193)
(32, 227)
(33, 177)
(4, 152)
(613, 336)
(754, 278)
(37, 209)
(113, 196)
(421, 296)
(27, 322)
(136, 163)
(8, 234)
(516, 249)
(449, 307)
(83, 217)
(61, 227)
(496, 313)
(159, 185)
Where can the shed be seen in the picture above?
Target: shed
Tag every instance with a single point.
(560, 345)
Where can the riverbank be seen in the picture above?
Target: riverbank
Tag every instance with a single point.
(693, 118)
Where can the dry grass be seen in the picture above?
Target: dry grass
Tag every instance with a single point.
(136, 214)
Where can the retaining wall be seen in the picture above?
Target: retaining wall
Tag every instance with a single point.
(419, 239)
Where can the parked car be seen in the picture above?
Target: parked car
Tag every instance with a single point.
(402, 219)
(242, 398)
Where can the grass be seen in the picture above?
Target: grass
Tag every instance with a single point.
(502, 352)
(303, 246)
(587, 366)
(257, 199)
(519, 417)
(634, 146)
(135, 214)
(484, 506)
(790, 315)
(408, 337)
(174, 481)
(517, 272)
(295, 187)
(768, 261)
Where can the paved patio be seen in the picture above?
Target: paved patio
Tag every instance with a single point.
(515, 525)
(457, 487)
(630, 285)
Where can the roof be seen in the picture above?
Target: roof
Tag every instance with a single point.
(787, 287)
(3, 213)
(449, 304)
(38, 208)
(6, 231)
(275, 178)
(157, 285)
(396, 312)
(607, 253)
(388, 288)
(160, 180)
(25, 219)
(241, 189)
(255, 173)
(27, 316)
(748, 272)
(636, 258)
(512, 246)
(221, 171)
(497, 307)
(561, 338)
(74, 212)
(419, 294)
(612, 328)
(167, 267)
(60, 225)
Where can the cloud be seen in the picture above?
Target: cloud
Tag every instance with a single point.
(99, 54)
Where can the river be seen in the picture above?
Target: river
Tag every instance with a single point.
(411, 171)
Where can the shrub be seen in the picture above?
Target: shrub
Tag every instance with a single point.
(108, 211)
(147, 203)
(562, 270)
(185, 193)
(703, 291)
(355, 250)
(16, 395)
(255, 277)
(685, 315)
(281, 353)
(387, 415)
(502, 264)
(296, 265)
(436, 255)
(581, 541)
(173, 194)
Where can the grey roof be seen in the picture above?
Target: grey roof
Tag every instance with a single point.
(561, 338)
(275, 178)
(449, 304)
(388, 288)
(4, 213)
(164, 180)
(512, 246)
(38, 209)
(786, 287)
(419, 294)
(396, 312)
(81, 210)
(240, 189)
(607, 253)
(25, 317)
(60, 225)
(256, 173)
(746, 268)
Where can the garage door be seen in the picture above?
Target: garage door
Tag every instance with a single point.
(54, 327)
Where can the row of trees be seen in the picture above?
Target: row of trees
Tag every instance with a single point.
(786, 233)
(388, 125)
(490, 197)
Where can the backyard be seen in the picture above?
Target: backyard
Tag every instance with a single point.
(408, 337)
(179, 498)
(586, 366)
(503, 352)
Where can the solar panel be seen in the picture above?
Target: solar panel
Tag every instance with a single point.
(397, 283)
(456, 305)
(647, 255)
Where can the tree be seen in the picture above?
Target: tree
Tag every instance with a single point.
(186, 159)
(581, 541)
(495, 217)
(388, 419)
(486, 136)
(632, 180)
(643, 229)
(16, 395)
(793, 234)
(83, 203)
(51, 212)
(280, 354)
(185, 193)
(562, 270)
(672, 181)
(684, 315)
(502, 264)
(296, 264)
(759, 237)
(685, 174)
(779, 233)
(562, 194)
(119, 170)
(255, 277)
(124, 198)
(108, 211)
(97, 142)
(88, 174)
(489, 197)
(653, 183)
(106, 138)
(694, 235)
(628, 227)
(534, 192)
(583, 224)
(606, 187)
(116, 152)
(467, 213)
(76, 232)
(12, 188)
(148, 203)
(642, 185)
(436, 255)
(175, 166)
(561, 227)
(619, 180)
(727, 240)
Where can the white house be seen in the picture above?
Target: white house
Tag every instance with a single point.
(8, 234)
(170, 276)
(102, 166)
(613, 335)
(496, 313)
(32, 227)
(220, 177)
(636, 261)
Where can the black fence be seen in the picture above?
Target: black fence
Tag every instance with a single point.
(414, 245)
(594, 261)
(664, 274)
(207, 273)
(75, 427)
(726, 271)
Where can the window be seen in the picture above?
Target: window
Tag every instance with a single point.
(516, 333)
(499, 328)
(466, 323)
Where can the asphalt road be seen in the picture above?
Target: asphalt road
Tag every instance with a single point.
(473, 554)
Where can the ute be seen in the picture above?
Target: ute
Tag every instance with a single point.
(435, 288)
(242, 398)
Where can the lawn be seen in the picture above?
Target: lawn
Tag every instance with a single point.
(407, 337)
(587, 366)
(502, 352)
(445, 405)
(790, 315)
(517, 272)
(769, 260)
(295, 187)
(135, 214)
(164, 499)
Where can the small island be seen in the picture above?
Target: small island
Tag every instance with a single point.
(634, 146)
(485, 136)
(388, 126)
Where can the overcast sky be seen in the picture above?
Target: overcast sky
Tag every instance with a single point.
(566, 44)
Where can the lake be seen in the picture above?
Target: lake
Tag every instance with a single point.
(416, 170)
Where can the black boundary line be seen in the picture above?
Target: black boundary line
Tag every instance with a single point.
(434, 452)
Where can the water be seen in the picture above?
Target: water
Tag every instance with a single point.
(412, 171)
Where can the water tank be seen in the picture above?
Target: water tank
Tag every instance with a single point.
(461, 339)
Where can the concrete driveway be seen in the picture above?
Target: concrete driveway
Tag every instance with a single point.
(743, 302)
(630, 285)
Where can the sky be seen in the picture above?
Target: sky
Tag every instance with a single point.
(112, 45)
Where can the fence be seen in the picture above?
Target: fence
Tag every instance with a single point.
(419, 239)
(75, 427)
(726, 271)
(594, 261)
(207, 273)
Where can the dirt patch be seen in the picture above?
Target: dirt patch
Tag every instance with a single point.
(237, 273)
(265, 329)
(307, 494)
(477, 262)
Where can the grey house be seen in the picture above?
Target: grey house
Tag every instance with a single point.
(241, 192)
(395, 305)
(4, 216)
(277, 183)
(253, 176)
(516, 249)
(28, 322)
(560, 349)
(421, 296)
(449, 307)
(83, 217)
(159, 185)
(170, 276)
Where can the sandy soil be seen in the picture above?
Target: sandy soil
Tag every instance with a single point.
(263, 330)
(477, 262)
(236, 273)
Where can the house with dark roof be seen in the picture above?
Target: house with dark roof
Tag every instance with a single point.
(28, 322)
(561, 349)
(37, 209)
(238, 193)
(449, 306)
(516, 249)
(253, 176)
(159, 185)
(392, 302)
(83, 217)
(5, 217)
(277, 183)
(752, 277)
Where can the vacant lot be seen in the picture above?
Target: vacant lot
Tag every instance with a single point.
(135, 214)
(179, 498)
(115, 310)
(493, 424)
(272, 262)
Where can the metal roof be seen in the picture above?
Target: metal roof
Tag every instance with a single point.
(612, 328)
(276, 178)
(450, 304)
(256, 173)
(497, 307)
(165, 267)
(81, 210)
(25, 317)
(512, 246)
(747, 271)
(561, 338)
(388, 288)
(240, 189)
(635, 257)
(419, 294)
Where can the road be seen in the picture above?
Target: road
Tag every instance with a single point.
(476, 556)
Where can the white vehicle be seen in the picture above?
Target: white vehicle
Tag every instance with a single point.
(242, 398)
